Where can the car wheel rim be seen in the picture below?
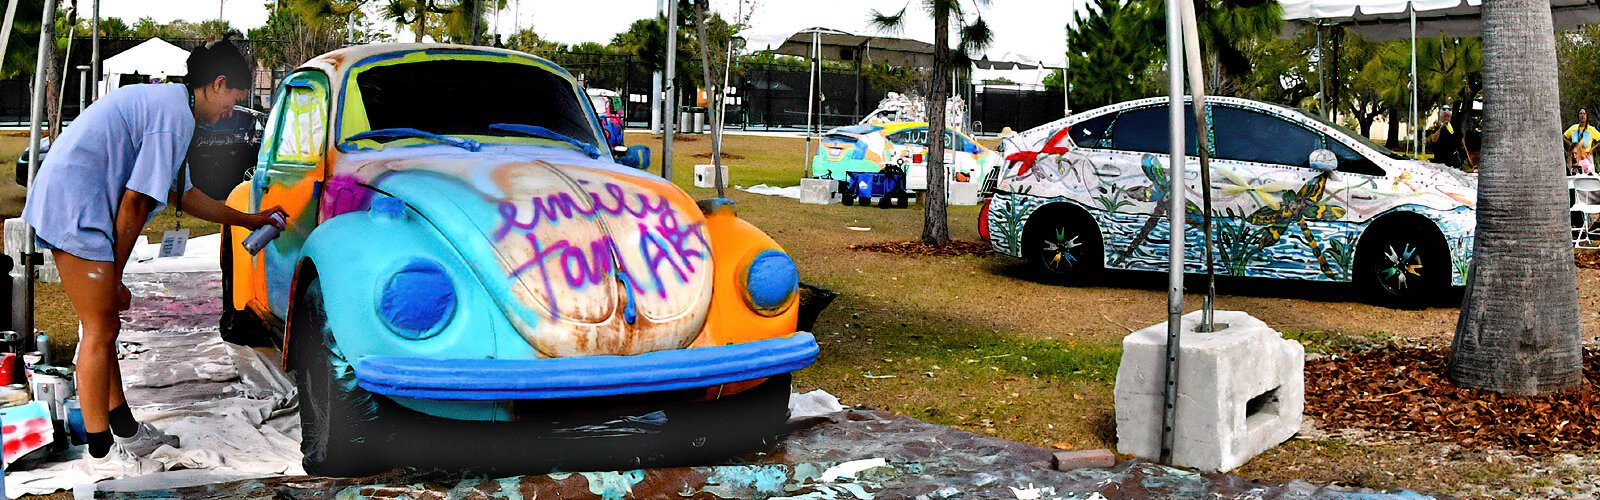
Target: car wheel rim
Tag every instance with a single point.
(1400, 268)
(1059, 251)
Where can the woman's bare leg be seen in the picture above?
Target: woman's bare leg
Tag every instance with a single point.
(92, 288)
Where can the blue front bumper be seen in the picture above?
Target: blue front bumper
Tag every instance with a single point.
(582, 377)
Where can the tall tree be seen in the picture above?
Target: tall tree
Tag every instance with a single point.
(973, 38)
(1108, 70)
(1519, 330)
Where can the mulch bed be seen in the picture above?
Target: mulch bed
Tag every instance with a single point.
(1587, 259)
(956, 248)
(1405, 390)
(725, 155)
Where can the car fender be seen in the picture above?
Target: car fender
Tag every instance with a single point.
(245, 291)
(734, 242)
(356, 253)
(1457, 226)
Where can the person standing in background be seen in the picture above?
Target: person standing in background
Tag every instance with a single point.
(1445, 142)
(1580, 139)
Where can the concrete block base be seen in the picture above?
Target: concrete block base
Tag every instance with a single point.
(15, 231)
(818, 191)
(1241, 391)
(705, 177)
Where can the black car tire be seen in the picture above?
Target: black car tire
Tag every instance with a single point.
(339, 421)
(1063, 245)
(1400, 267)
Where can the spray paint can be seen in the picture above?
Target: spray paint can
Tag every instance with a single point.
(258, 239)
(42, 344)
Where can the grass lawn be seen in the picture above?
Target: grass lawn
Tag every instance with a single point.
(978, 343)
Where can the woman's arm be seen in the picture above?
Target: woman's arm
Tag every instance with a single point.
(198, 204)
(132, 213)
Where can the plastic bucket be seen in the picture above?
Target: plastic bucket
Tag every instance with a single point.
(75, 423)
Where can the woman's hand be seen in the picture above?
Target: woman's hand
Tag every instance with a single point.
(264, 218)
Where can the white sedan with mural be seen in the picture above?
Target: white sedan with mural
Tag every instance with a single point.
(1293, 196)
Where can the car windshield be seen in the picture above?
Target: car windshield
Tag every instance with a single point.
(1353, 134)
(477, 95)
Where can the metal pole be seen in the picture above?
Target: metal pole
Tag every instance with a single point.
(671, 119)
(83, 88)
(5, 30)
(94, 49)
(1416, 115)
(1066, 89)
(1322, 77)
(1202, 131)
(1175, 212)
(35, 120)
(811, 101)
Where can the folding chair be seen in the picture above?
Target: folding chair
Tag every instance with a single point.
(1586, 205)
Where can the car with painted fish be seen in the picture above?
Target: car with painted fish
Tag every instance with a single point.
(873, 147)
(468, 276)
(1294, 196)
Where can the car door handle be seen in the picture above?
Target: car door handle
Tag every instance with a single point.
(1363, 196)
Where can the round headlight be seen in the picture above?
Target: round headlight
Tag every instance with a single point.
(770, 282)
(417, 300)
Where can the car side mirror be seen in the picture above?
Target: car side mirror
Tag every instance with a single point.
(634, 156)
(1323, 160)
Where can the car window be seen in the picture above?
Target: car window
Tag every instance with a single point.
(1246, 135)
(302, 126)
(476, 95)
(1091, 133)
(1145, 130)
(1351, 161)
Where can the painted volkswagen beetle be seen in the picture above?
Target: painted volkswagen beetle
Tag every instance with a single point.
(462, 250)
(1293, 196)
(871, 147)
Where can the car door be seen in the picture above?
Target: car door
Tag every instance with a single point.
(289, 173)
(1276, 214)
(1133, 179)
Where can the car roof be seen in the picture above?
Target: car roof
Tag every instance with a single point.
(338, 63)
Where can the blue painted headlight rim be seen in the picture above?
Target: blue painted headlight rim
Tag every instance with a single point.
(748, 291)
(386, 280)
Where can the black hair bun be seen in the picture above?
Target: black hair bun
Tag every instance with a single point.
(218, 58)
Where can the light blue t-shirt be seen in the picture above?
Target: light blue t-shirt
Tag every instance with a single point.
(133, 138)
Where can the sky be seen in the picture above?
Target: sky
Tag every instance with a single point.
(1032, 28)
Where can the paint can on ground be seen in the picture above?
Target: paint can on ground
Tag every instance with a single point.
(53, 391)
(76, 433)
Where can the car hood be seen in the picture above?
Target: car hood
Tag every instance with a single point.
(584, 257)
(1456, 185)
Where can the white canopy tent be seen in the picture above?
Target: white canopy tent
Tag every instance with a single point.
(153, 57)
(1383, 20)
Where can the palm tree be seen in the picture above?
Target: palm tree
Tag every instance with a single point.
(974, 38)
(1519, 331)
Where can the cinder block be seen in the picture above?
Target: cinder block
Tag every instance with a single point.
(1069, 460)
(15, 231)
(817, 191)
(705, 177)
(963, 193)
(1241, 391)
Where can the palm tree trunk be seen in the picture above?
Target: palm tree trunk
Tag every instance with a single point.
(420, 24)
(935, 216)
(1519, 331)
